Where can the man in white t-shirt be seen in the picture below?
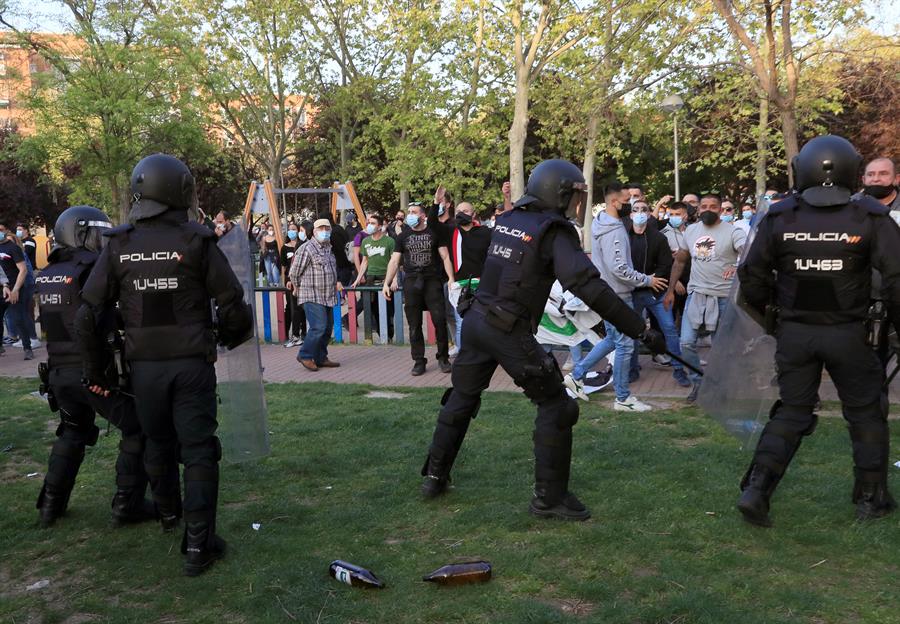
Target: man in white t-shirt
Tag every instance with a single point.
(713, 247)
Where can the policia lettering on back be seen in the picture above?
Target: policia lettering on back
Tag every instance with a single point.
(531, 246)
(163, 270)
(814, 254)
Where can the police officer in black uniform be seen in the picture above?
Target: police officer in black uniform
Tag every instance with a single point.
(163, 271)
(78, 241)
(812, 258)
(531, 246)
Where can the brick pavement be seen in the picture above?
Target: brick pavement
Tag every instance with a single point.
(388, 367)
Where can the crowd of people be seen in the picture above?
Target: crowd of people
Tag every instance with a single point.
(672, 260)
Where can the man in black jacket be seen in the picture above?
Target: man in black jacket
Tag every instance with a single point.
(651, 255)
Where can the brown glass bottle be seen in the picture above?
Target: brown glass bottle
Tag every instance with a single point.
(354, 575)
(460, 573)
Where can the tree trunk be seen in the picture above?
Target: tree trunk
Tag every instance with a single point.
(404, 200)
(762, 145)
(789, 132)
(517, 134)
(118, 200)
(590, 159)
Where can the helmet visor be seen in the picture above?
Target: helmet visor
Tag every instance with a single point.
(578, 202)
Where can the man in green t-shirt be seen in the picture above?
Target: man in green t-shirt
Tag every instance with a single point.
(375, 252)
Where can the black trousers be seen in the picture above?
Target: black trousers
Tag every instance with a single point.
(802, 352)
(294, 316)
(376, 315)
(484, 347)
(176, 404)
(77, 411)
(422, 293)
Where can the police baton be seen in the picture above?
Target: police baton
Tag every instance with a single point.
(687, 365)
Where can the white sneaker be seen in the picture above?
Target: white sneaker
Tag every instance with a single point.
(631, 404)
(662, 359)
(453, 352)
(35, 343)
(575, 387)
(569, 364)
(291, 342)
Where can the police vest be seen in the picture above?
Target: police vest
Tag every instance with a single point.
(823, 260)
(515, 277)
(58, 290)
(160, 272)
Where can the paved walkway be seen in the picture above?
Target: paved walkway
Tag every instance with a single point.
(389, 367)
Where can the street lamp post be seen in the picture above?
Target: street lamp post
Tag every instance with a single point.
(673, 104)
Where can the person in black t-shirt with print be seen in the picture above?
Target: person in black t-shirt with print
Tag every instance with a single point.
(424, 259)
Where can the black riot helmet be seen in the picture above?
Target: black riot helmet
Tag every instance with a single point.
(81, 227)
(555, 186)
(160, 182)
(825, 170)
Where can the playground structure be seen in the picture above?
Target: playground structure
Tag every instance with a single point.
(262, 199)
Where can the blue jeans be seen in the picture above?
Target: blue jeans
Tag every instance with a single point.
(319, 324)
(576, 350)
(689, 335)
(647, 300)
(17, 315)
(458, 337)
(623, 346)
(273, 274)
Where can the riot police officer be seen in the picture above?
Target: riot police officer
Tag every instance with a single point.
(58, 287)
(813, 257)
(163, 270)
(531, 246)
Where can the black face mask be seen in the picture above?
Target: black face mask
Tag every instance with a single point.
(463, 218)
(662, 224)
(709, 217)
(624, 210)
(878, 191)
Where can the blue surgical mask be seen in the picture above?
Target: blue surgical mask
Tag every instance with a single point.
(747, 215)
(323, 235)
(20, 233)
(676, 222)
(370, 229)
(639, 218)
(412, 220)
(440, 211)
(728, 218)
(292, 234)
(303, 235)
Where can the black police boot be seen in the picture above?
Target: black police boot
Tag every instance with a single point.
(444, 365)
(418, 368)
(130, 507)
(202, 547)
(758, 487)
(437, 477)
(550, 502)
(168, 510)
(52, 503)
(873, 500)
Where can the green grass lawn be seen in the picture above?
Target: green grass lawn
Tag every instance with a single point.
(665, 543)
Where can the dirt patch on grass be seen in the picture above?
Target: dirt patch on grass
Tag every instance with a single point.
(687, 442)
(573, 606)
(645, 572)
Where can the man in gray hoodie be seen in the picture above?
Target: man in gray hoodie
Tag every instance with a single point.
(611, 254)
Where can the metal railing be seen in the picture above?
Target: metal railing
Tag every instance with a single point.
(270, 316)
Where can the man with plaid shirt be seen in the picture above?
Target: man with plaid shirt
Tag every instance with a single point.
(314, 276)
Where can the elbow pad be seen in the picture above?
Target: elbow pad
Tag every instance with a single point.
(235, 323)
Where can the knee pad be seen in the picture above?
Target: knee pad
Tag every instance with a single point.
(463, 409)
(211, 449)
(568, 413)
(84, 433)
(867, 414)
(133, 445)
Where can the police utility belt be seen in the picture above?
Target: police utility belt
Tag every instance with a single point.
(494, 315)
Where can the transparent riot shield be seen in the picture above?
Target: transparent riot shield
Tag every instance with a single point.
(739, 384)
(242, 411)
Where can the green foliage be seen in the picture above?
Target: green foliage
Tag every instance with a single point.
(665, 543)
(113, 95)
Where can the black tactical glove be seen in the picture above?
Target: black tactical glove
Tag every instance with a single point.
(654, 341)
